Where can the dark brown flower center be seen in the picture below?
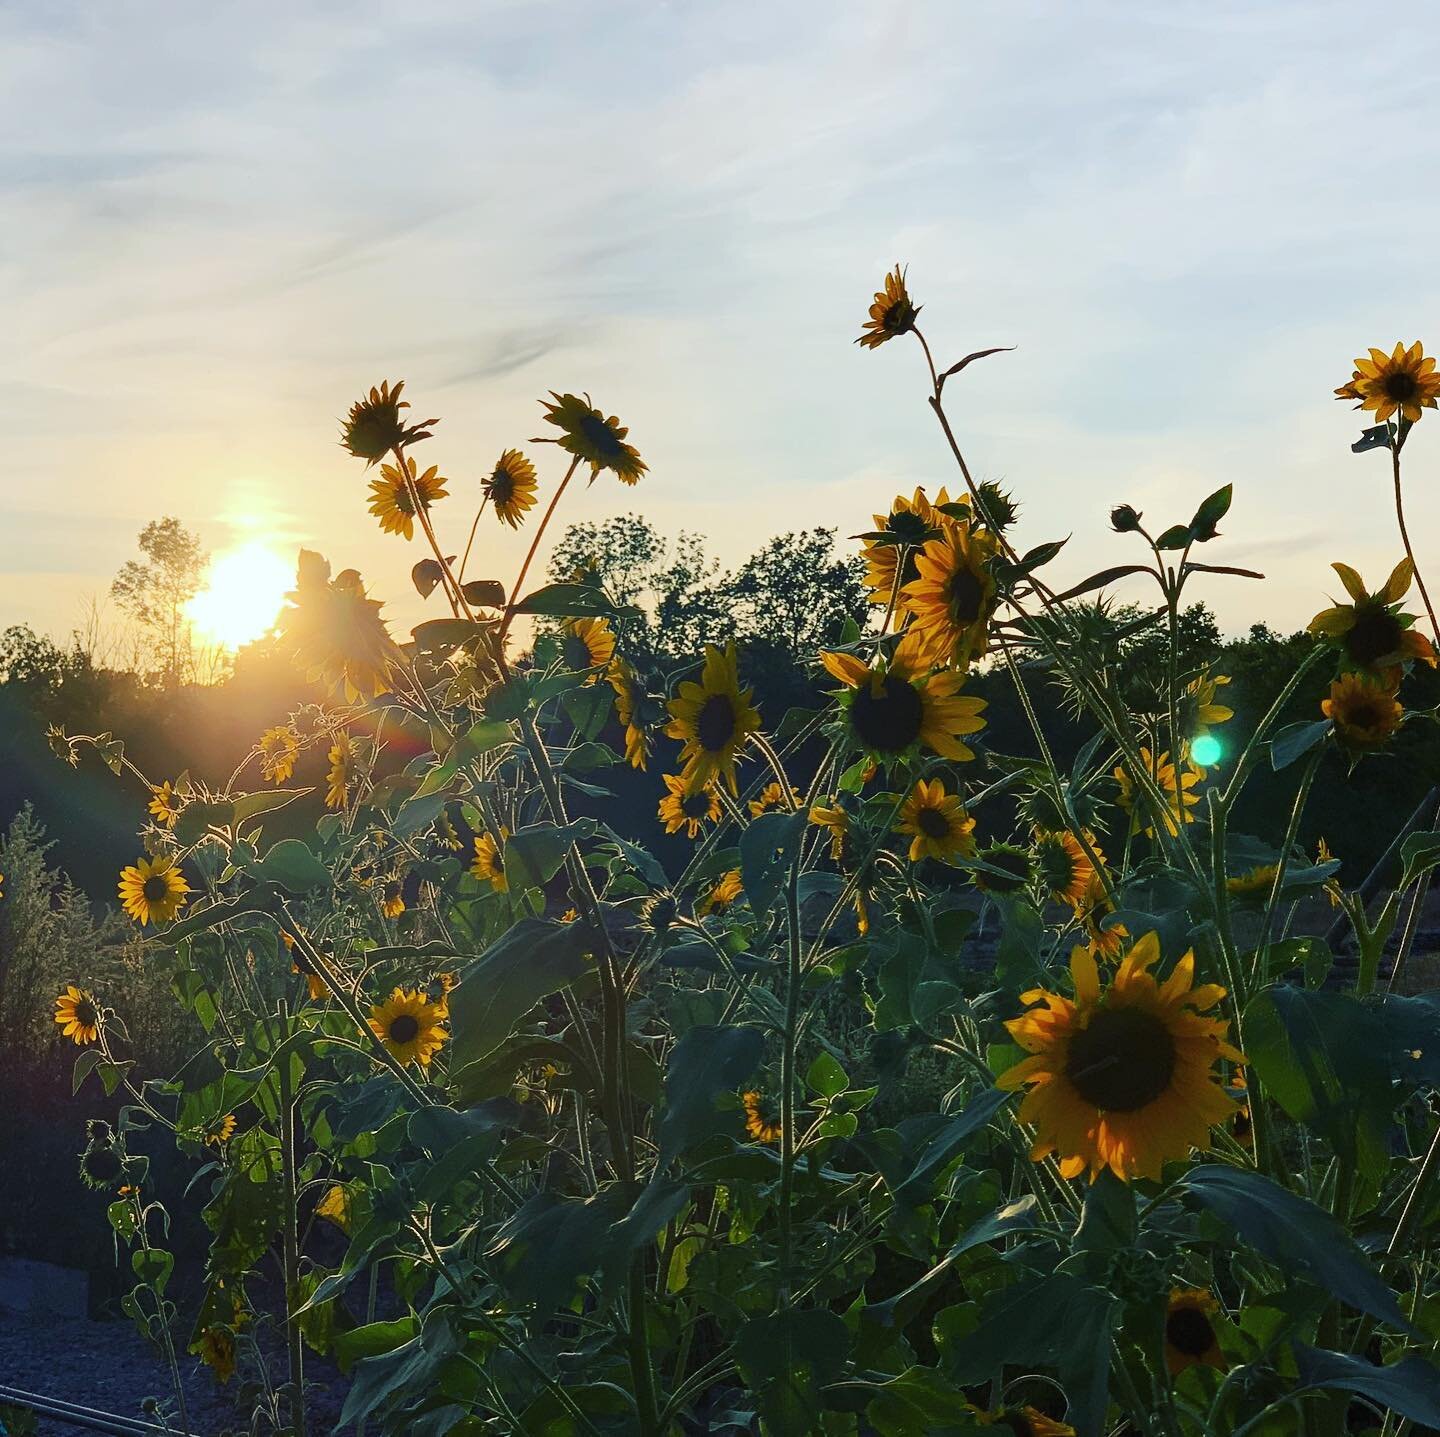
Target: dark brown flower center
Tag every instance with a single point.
(403, 1029)
(1057, 867)
(502, 488)
(715, 724)
(695, 805)
(899, 317)
(1362, 714)
(1400, 386)
(932, 823)
(86, 1014)
(965, 596)
(155, 888)
(888, 721)
(1188, 1330)
(1375, 635)
(1123, 1061)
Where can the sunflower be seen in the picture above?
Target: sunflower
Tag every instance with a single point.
(1371, 632)
(1015, 863)
(220, 1131)
(686, 807)
(1198, 710)
(102, 1165)
(1254, 882)
(1190, 1337)
(409, 1025)
(390, 497)
(1404, 380)
(713, 719)
(1105, 940)
(317, 987)
(392, 899)
(335, 633)
(773, 796)
(631, 701)
(761, 1124)
(153, 890)
(836, 822)
(1121, 1077)
(892, 313)
(164, 805)
(721, 894)
(215, 1347)
(908, 526)
(279, 748)
(896, 707)
(511, 487)
(937, 823)
(375, 426)
(587, 644)
(1364, 710)
(952, 600)
(489, 861)
(591, 437)
(341, 773)
(1179, 799)
(1022, 1421)
(78, 1015)
(1065, 871)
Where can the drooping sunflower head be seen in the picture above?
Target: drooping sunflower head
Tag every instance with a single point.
(392, 899)
(375, 425)
(102, 1165)
(165, 804)
(772, 796)
(633, 707)
(687, 807)
(1122, 1076)
(906, 528)
(997, 508)
(488, 864)
(762, 1121)
(153, 890)
(937, 823)
(335, 633)
(78, 1015)
(726, 890)
(952, 601)
(1064, 871)
(1403, 380)
(219, 1132)
(1176, 787)
(341, 773)
(411, 1027)
(1370, 632)
(587, 644)
(1190, 1336)
(278, 748)
(1199, 710)
(834, 818)
(595, 440)
(511, 487)
(892, 709)
(1016, 867)
(1254, 882)
(892, 313)
(713, 719)
(1364, 710)
(393, 501)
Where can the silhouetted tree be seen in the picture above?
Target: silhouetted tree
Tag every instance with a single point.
(155, 591)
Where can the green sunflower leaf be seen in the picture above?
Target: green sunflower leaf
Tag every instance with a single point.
(706, 1062)
(1410, 1387)
(293, 866)
(574, 601)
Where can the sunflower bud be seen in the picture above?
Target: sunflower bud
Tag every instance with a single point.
(659, 913)
(1124, 519)
(1014, 864)
(997, 506)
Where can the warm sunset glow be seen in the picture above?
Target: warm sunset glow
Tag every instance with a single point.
(243, 592)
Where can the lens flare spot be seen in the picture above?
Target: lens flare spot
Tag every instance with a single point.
(1207, 751)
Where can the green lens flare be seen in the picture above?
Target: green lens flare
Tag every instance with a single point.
(1206, 751)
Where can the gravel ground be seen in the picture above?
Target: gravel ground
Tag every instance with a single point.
(107, 1365)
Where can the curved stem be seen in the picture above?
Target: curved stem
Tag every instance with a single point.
(515, 594)
(1405, 539)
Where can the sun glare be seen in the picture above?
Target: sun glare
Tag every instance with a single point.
(243, 592)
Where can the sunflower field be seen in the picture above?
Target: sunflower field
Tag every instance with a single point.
(544, 1137)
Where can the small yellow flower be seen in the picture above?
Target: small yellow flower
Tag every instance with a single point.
(891, 314)
(78, 1015)
(410, 1026)
(221, 1131)
(909, 525)
(764, 1127)
(1199, 711)
(1364, 710)
(686, 807)
(279, 748)
(1065, 869)
(335, 633)
(153, 890)
(937, 823)
(511, 487)
(390, 497)
(587, 644)
(1403, 380)
(1371, 632)
(488, 865)
(1177, 790)
(837, 822)
(375, 426)
(721, 894)
(341, 773)
(592, 438)
(164, 805)
(773, 796)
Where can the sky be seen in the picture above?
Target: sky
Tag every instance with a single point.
(219, 224)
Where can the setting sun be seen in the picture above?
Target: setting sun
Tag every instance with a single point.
(243, 592)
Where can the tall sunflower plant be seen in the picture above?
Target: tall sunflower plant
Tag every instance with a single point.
(542, 1132)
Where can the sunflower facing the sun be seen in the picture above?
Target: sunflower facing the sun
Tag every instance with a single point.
(153, 889)
(390, 497)
(78, 1015)
(686, 807)
(937, 823)
(592, 438)
(410, 1026)
(511, 487)
(1403, 380)
(1122, 1077)
(713, 719)
(1370, 631)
